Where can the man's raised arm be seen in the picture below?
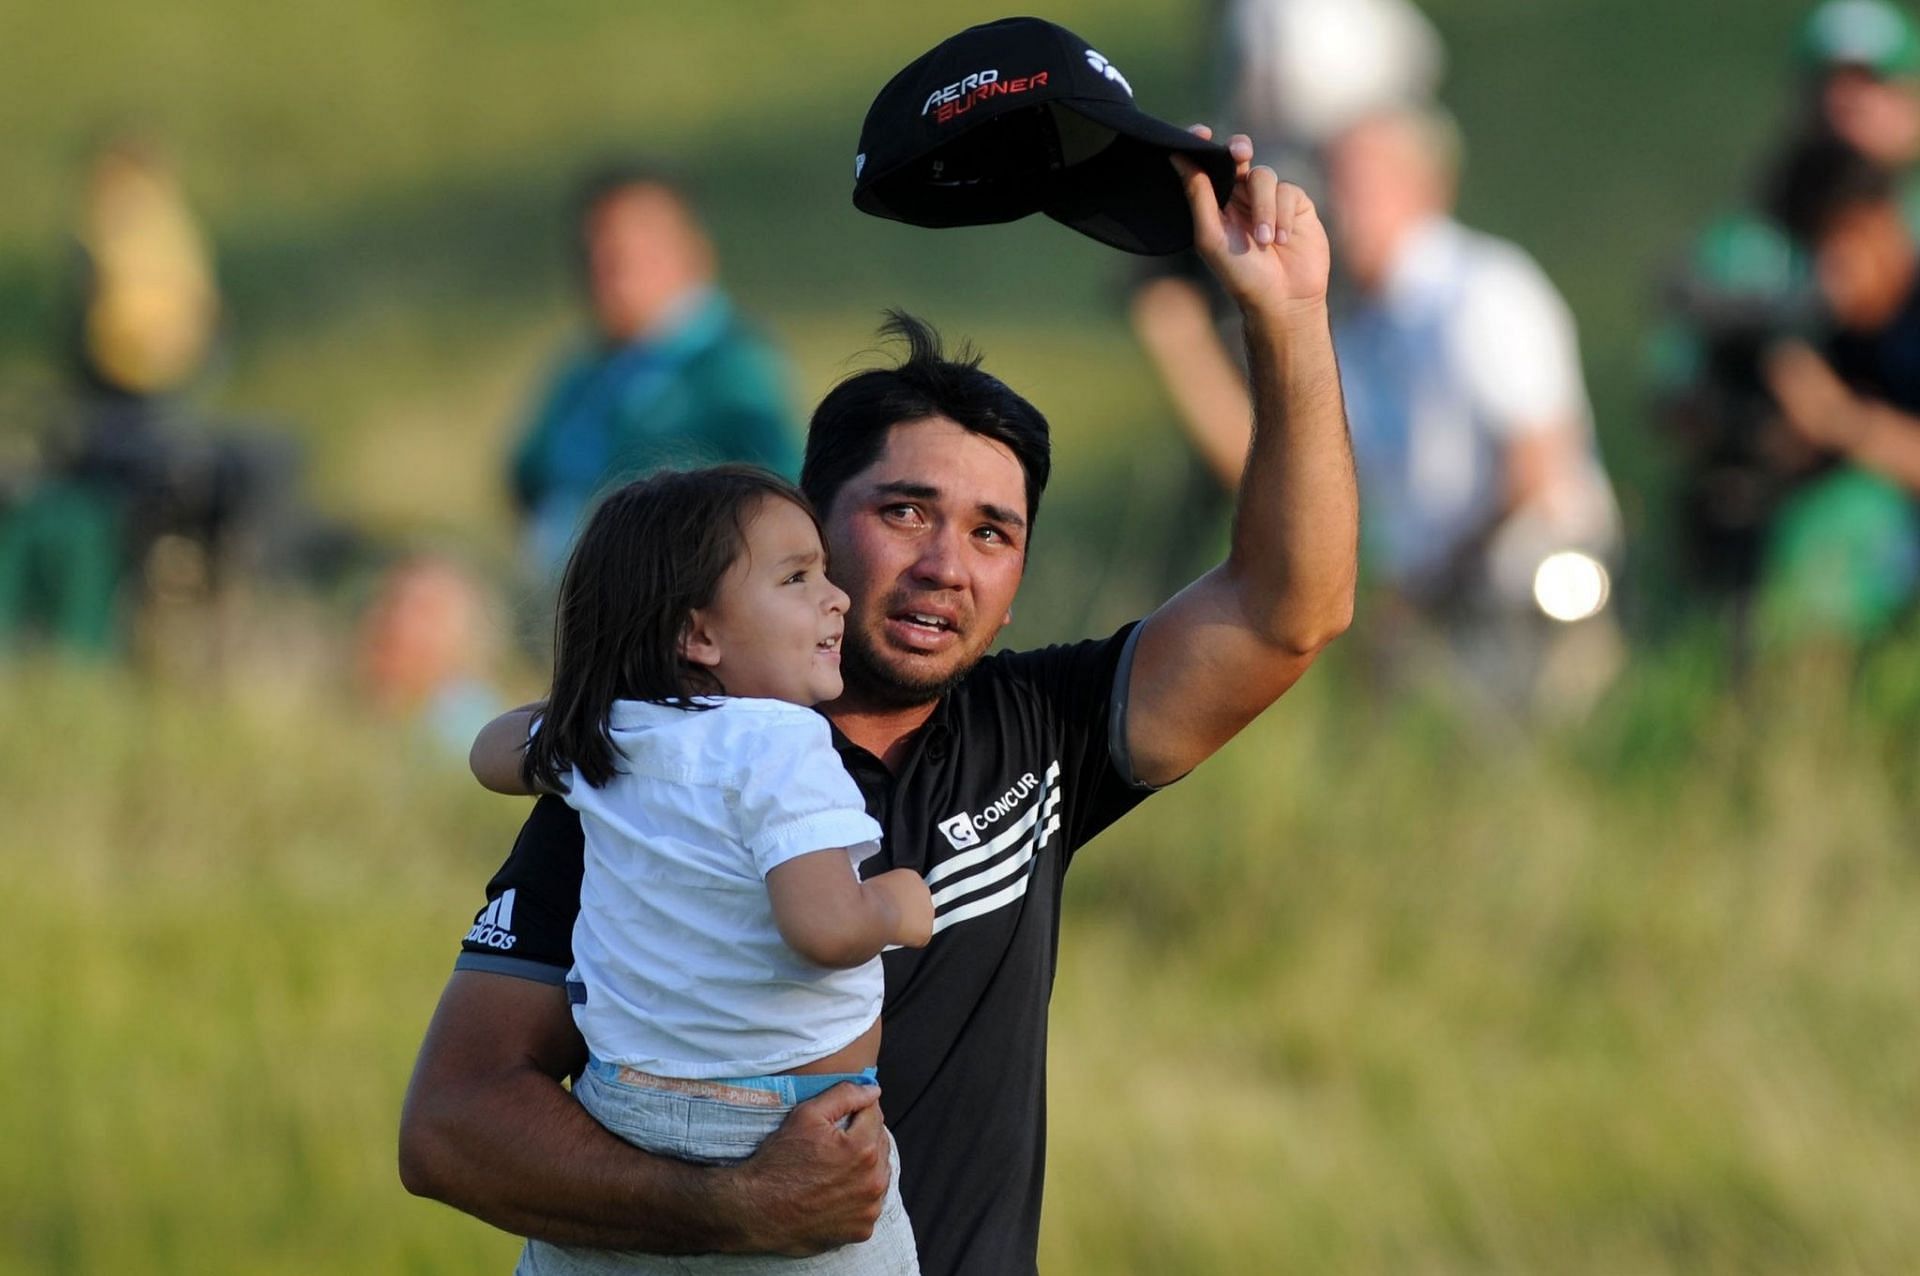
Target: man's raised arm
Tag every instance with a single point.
(488, 1129)
(1230, 644)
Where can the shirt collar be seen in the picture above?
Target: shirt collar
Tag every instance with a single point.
(933, 738)
(1424, 262)
(690, 324)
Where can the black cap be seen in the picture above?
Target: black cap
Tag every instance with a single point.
(1020, 116)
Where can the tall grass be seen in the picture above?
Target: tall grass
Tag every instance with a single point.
(1370, 992)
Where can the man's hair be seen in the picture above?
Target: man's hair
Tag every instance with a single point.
(1434, 131)
(849, 428)
(611, 176)
(653, 552)
(1817, 180)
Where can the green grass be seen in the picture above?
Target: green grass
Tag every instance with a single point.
(1368, 993)
(1371, 992)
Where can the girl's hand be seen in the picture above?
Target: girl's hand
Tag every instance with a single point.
(907, 891)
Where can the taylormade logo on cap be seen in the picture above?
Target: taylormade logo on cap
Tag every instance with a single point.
(1109, 70)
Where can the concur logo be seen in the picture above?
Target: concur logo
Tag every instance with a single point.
(959, 831)
(964, 830)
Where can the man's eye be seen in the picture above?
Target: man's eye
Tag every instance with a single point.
(904, 513)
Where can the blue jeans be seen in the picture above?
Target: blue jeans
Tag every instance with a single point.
(718, 1123)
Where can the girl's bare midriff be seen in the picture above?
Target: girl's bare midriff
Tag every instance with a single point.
(861, 1052)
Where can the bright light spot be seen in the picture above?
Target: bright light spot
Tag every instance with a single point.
(1570, 586)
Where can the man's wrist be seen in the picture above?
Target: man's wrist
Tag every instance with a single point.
(1286, 318)
(736, 1210)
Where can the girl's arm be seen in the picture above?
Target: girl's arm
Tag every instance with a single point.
(828, 915)
(498, 749)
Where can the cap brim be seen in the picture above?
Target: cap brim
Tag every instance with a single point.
(1129, 195)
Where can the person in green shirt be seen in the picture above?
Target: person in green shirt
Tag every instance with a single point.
(670, 373)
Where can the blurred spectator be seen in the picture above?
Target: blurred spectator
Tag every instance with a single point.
(1486, 500)
(144, 309)
(425, 645)
(138, 494)
(1742, 287)
(1487, 509)
(1846, 558)
(148, 300)
(1862, 62)
(1754, 497)
(1291, 74)
(670, 375)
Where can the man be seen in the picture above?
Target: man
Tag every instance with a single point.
(1845, 559)
(1744, 284)
(987, 772)
(1471, 427)
(1860, 60)
(1461, 366)
(672, 375)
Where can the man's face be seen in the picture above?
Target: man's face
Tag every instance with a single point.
(1865, 265)
(929, 542)
(644, 253)
(1876, 116)
(1382, 183)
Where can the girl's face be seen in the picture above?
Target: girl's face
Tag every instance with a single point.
(773, 630)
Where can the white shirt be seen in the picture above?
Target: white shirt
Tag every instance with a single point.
(1466, 348)
(684, 969)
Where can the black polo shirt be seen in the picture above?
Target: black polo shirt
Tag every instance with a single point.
(1017, 768)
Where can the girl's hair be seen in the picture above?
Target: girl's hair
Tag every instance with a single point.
(653, 552)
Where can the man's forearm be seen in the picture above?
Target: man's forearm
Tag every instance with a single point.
(1888, 442)
(1296, 525)
(492, 1133)
(522, 1155)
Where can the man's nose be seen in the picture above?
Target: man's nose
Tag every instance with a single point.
(942, 564)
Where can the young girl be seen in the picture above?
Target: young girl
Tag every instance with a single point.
(726, 957)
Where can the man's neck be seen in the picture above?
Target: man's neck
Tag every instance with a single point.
(886, 733)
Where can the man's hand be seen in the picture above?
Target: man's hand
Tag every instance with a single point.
(821, 1178)
(1267, 246)
(488, 1129)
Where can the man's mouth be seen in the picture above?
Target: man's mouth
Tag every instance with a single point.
(924, 631)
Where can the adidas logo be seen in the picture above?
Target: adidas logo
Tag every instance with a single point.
(493, 928)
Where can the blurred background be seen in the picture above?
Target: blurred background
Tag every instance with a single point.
(1508, 943)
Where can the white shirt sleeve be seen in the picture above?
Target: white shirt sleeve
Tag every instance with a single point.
(1517, 347)
(795, 797)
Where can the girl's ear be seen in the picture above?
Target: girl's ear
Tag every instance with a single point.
(698, 645)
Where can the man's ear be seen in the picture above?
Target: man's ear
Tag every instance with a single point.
(698, 644)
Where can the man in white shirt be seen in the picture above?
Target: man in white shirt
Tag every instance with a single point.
(1472, 431)
(1471, 424)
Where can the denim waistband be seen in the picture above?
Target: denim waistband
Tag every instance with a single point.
(782, 1090)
